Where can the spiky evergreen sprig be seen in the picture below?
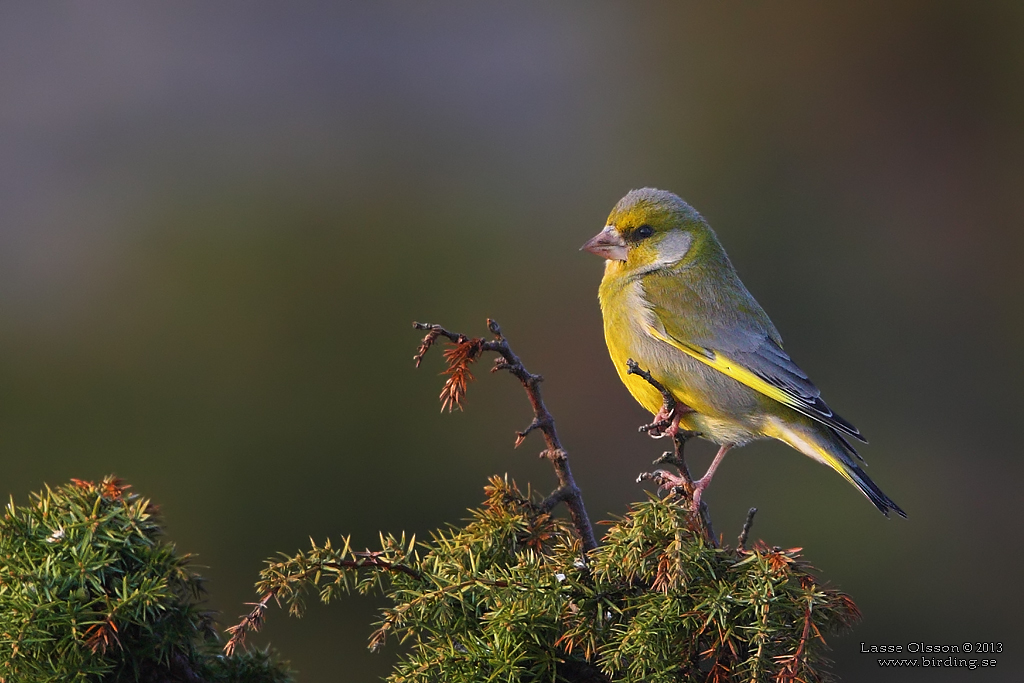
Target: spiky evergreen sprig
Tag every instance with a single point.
(88, 592)
(519, 595)
(511, 597)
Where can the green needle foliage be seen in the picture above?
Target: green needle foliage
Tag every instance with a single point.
(88, 592)
(511, 597)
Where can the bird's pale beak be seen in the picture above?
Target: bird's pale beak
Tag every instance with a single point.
(607, 244)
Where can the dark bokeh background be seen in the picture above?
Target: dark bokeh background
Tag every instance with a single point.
(217, 222)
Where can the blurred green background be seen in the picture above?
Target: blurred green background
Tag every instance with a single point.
(218, 221)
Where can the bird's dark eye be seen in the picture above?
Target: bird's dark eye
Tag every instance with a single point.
(644, 231)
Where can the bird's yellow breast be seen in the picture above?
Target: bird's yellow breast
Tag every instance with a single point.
(625, 320)
(724, 410)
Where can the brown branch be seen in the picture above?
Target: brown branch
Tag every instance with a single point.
(791, 663)
(702, 517)
(567, 491)
(253, 621)
(668, 405)
(741, 544)
(428, 341)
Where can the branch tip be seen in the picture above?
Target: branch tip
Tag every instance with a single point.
(742, 541)
(670, 458)
(536, 424)
(666, 421)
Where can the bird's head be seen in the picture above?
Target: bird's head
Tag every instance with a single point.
(648, 230)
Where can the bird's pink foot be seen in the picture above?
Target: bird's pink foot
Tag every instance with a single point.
(666, 481)
(698, 490)
(702, 483)
(666, 422)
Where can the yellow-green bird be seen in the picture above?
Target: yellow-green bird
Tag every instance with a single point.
(672, 301)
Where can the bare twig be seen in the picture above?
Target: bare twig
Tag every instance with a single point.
(702, 516)
(428, 341)
(741, 544)
(567, 492)
(668, 406)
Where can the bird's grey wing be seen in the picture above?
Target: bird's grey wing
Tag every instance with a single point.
(734, 336)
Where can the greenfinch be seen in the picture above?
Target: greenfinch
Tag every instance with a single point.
(672, 301)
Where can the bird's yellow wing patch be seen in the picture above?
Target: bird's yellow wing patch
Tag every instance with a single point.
(813, 407)
(727, 367)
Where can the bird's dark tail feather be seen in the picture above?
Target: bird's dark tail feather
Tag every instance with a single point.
(862, 481)
(828, 447)
(870, 489)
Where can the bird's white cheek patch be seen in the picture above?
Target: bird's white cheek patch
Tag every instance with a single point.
(673, 248)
